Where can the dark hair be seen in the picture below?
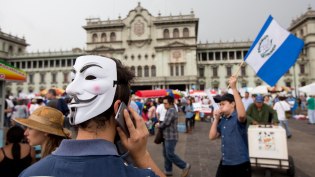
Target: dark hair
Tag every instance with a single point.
(15, 135)
(53, 92)
(124, 78)
(169, 99)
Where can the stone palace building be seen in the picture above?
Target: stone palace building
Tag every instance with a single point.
(162, 51)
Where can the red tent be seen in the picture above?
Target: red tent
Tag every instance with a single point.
(151, 93)
(157, 93)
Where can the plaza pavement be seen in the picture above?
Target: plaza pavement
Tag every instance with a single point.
(204, 155)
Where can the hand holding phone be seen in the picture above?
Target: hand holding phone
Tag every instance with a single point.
(121, 120)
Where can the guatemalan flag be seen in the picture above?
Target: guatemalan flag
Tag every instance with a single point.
(273, 52)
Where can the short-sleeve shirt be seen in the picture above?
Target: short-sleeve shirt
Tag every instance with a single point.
(311, 103)
(85, 158)
(234, 144)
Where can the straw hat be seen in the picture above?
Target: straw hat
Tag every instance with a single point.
(45, 119)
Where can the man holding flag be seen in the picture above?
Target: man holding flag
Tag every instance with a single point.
(273, 52)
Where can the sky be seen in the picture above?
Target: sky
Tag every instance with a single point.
(57, 24)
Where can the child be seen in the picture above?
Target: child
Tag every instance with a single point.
(230, 124)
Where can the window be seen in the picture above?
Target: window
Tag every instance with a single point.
(232, 55)
(54, 77)
(133, 70)
(57, 63)
(10, 51)
(182, 70)
(34, 64)
(166, 34)
(243, 71)
(146, 71)
(23, 64)
(302, 32)
(31, 78)
(139, 71)
(186, 32)
(40, 64)
(63, 63)
(202, 72)
(112, 36)
(303, 83)
(171, 70)
(224, 55)
(244, 84)
(103, 37)
(46, 63)
(215, 71)
(238, 55)
(29, 63)
(52, 63)
(302, 69)
(153, 71)
(244, 53)
(132, 57)
(69, 64)
(204, 56)
(217, 56)
(139, 57)
(18, 64)
(177, 70)
(229, 71)
(42, 78)
(19, 50)
(175, 33)
(94, 37)
(65, 77)
(210, 55)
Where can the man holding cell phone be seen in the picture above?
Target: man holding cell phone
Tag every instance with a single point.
(99, 86)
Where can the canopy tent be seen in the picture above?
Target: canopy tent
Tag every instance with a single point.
(262, 89)
(202, 92)
(158, 93)
(308, 89)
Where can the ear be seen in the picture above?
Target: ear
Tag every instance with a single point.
(116, 105)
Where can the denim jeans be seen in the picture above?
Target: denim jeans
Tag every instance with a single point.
(170, 157)
(285, 125)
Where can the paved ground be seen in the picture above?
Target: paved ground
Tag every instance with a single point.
(204, 155)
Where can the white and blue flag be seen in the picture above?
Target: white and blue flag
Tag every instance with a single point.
(273, 52)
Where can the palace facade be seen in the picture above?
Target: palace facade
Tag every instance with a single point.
(162, 51)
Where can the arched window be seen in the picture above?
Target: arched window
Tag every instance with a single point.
(133, 70)
(166, 33)
(153, 71)
(112, 36)
(186, 32)
(103, 37)
(139, 71)
(10, 51)
(94, 37)
(175, 33)
(146, 71)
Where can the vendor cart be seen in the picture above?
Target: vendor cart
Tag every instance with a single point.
(268, 149)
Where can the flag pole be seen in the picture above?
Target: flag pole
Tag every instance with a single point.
(238, 70)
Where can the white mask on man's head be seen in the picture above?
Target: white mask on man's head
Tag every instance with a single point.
(93, 87)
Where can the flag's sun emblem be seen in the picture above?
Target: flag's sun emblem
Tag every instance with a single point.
(266, 46)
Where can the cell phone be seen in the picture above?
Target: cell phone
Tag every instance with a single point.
(121, 120)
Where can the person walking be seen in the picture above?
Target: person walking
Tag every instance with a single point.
(15, 156)
(189, 115)
(99, 85)
(311, 109)
(170, 134)
(281, 106)
(44, 128)
(230, 125)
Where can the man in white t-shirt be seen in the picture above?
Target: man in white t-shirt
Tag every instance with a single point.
(247, 100)
(281, 106)
(160, 110)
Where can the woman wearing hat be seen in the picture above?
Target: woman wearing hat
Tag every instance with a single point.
(44, 128)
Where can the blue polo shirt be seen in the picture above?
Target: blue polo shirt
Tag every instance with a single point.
(234, 144)
(85, 158)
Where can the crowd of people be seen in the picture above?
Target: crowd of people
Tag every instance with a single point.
(77, 135)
